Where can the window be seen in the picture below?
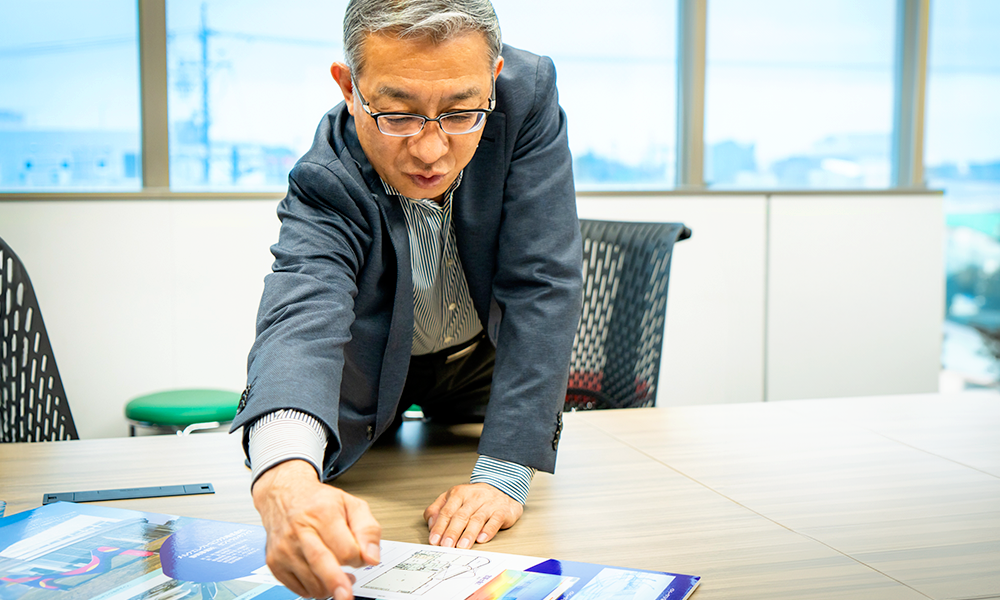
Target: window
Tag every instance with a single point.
(799, 93)
(963, 158)
(248, 82)
(69, 96)
(617, 82)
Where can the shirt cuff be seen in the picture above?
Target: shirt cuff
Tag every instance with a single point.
(510, 478)
(285, 435)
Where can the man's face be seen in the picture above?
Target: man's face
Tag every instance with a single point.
(426, 78)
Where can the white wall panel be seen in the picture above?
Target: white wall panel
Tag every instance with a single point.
(140, 296)
(714, 339)
(856, 295)
(145, 295)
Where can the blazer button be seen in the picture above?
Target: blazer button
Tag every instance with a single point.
(370, 432)
(243, 400)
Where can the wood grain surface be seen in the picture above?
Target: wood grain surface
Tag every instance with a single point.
(882, 498)
(905, 485)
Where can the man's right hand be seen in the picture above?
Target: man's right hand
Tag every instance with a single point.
(313, 529)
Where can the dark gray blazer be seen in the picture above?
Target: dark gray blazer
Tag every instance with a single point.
(335, 324)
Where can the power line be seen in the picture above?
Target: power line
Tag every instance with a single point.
(126, 40)
(67, 46)
(274, 39)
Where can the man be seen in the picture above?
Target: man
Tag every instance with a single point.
(429, 253)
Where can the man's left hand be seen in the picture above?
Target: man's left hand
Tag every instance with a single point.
(470, 513)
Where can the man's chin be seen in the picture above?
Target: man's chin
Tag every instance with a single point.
(415, 186)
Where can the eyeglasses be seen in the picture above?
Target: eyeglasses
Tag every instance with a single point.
(404, 124)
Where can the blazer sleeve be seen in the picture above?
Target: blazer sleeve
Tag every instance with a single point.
(537, 286)
(307, 307)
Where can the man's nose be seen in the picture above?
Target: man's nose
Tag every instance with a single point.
(430, 144)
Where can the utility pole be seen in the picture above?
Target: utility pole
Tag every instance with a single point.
(203, 35)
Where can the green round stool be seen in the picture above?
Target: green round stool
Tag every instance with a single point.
(182, 411)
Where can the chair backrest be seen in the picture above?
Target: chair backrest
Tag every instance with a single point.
(616, 353)
(33, 405)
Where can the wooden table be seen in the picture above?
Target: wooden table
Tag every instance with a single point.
(874, 498)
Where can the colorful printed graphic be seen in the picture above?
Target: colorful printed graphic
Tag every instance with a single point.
(100, 562)
(70, 551)
(521, 585)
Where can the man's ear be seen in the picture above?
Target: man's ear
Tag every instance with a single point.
(499, 67)
(342, 75)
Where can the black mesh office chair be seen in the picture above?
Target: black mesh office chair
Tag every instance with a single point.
(616, 353)
(33, 405)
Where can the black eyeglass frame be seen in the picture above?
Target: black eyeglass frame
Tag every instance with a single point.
(483, 111)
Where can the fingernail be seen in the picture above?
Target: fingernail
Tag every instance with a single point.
(448, 542)
(464, 543)
(482, 539)
(341, 594)
(434, 539)
(430, 522)
(373, 551)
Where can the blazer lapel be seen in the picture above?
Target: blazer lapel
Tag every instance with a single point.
(477, 208)
(396, 360)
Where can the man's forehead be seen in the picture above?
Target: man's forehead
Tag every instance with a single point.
(393, 92)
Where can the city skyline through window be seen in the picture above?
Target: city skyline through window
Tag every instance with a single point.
(799, 94)
(69, 96)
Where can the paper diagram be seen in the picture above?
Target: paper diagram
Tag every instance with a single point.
(424, 570)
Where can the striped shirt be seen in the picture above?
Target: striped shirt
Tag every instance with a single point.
(443, 316)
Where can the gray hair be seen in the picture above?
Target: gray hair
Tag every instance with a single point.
(437, 20)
